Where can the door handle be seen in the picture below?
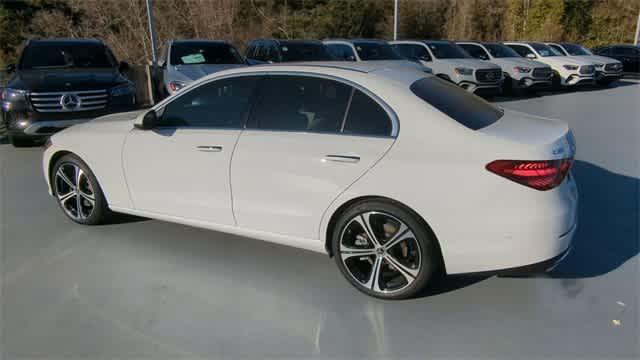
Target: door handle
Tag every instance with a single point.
(209, 148)
(342, 158)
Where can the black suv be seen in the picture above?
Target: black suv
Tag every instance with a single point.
(275, 51)
(629, 55)
(61, 82)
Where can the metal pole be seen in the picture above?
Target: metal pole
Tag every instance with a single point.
(637, 30)
(152, 33)
(395, 21)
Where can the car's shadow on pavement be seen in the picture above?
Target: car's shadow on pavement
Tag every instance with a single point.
(608, 232)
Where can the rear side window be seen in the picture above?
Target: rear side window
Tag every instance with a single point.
(457, 103)
(366, 117)
(413, 52)
(301, 103)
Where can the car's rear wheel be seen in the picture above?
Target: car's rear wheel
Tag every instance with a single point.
(77, 191)
(384, 250)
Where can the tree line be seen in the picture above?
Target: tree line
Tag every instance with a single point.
(123, 23)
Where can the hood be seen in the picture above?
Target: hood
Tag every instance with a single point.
(563, 60)
(405, 64)
(599, 59)
(51, 80)
(196, 71)
(518, 61)
(470, 63)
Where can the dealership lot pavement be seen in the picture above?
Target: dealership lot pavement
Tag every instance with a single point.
(149, 289)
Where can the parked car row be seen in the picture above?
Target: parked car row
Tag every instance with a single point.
(61, 82)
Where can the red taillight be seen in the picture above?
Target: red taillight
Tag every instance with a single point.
(537, 174)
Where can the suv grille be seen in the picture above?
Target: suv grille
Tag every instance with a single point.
(69, 101)
(488, 75)
(542, 73)
(613, 67)
(587, 69)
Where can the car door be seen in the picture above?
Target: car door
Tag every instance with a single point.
(181, 167)
(307, 140)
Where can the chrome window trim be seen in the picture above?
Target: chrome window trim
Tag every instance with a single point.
(393, 117)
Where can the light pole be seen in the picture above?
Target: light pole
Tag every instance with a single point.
(395, 20)
(152, 32)
(637, 30)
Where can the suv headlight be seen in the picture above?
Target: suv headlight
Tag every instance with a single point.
(570, 67)
(464, 71)
(522, 69)
(11, 97)
(122, 90)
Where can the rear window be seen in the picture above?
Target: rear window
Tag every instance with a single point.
(299, 51)
(49, 55)
(460, 105)
(184, 53)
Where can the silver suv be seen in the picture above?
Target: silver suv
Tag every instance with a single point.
(520, 73)
(370, 50)
(450, 62)
(184, 61)
(608, 69)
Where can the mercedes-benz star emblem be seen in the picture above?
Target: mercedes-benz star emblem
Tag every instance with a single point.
(70, 101)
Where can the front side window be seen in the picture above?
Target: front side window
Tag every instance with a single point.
(304, 51)
(558, 49)
(445, 50)
(342, 52)
(219, 104)
(545, 50)
(475, 51)
(501, 51)
(457, 103)
(300, 103)
(190, 53)
(375, 51)
(524, 51)
(413, 52)
(49, 55)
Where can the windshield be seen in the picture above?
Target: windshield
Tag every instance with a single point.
(305, 52)
(376, 51)
(185, 53)
(447, 51)
(457, 103)
(66, 55)
(501, 51)
(576, 50)
(545, 50)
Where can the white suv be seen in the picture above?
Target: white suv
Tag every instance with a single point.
(608, 70)
(370, 50)
(520, 73)
(569, 71)
(450, 62)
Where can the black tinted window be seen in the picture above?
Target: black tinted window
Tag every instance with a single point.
(557, 48)
(366, 117)
(465, 108)
(60, 55)
(501, 51)
(627, 51)
(304, 51)
(341, 52)
(522, 50)
(185, 53)
(299, 103)
(475, 51)
(219, 104)
(375, 51)
(445, 50)
(413, 52)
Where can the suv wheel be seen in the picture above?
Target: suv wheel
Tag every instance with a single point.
(384, 250)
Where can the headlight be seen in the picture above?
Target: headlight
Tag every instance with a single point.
(11, 97)
(122, 90)
(176, 85)
(464, 71)
(522, 69)
(570, 67)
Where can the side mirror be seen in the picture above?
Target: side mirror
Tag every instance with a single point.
(531, 56)
(11, 68)
(146, 121)
(123, 66)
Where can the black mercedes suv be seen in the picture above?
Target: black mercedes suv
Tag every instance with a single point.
(61, 82)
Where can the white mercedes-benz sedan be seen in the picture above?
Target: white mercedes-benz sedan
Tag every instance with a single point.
(399, 175)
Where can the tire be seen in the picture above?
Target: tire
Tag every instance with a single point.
(555, 82)
(90, 198)
(416, 252)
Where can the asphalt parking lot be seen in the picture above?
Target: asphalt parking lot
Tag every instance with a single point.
(150, 289)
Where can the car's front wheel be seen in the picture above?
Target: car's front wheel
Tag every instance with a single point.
(77, 191)
(384, 250)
